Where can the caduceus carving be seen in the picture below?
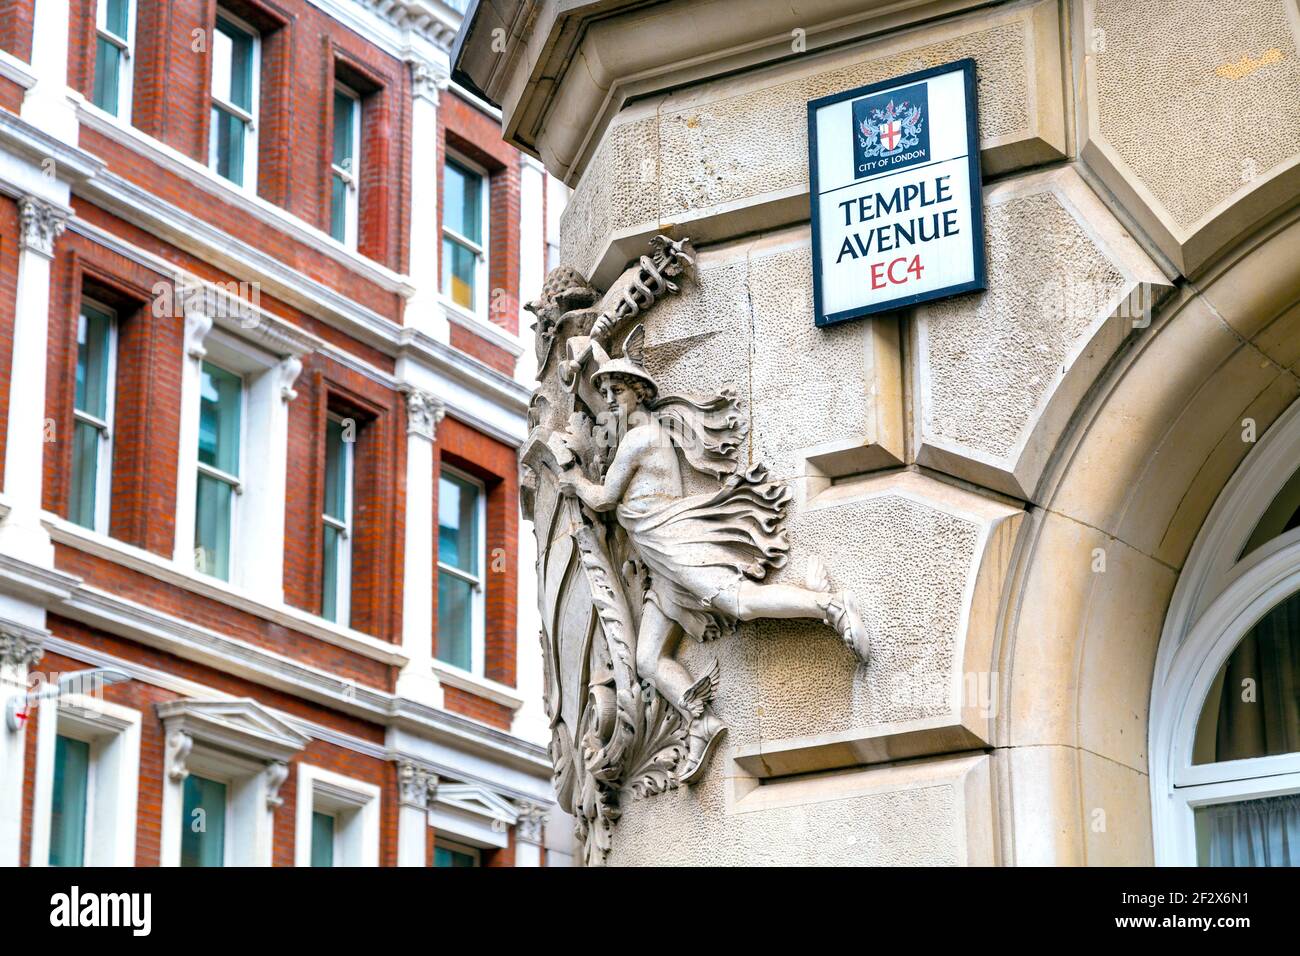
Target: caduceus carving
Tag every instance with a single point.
(605, 479)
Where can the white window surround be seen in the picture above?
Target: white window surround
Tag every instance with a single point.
(256, 559)
(482, 274)
(354, 804)
(478, 629)
(1217, 601)
(236, 742)
(104, 459)
(113, 733)
(472, 814)
(250, 117)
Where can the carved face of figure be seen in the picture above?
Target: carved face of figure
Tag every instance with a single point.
(620, 395)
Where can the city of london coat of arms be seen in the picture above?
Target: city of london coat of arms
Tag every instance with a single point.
(628, 562)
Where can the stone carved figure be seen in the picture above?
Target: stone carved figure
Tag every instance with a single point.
(629, 561)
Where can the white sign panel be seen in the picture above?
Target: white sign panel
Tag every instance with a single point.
(895, 189)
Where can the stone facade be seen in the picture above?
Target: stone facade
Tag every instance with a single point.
(1011, 481)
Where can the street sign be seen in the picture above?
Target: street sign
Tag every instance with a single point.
(895, 185)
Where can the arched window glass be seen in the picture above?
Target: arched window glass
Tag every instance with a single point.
(1253, 707)
(1282, 516)
(1225, 705)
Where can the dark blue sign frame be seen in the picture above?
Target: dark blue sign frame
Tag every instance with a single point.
(979, 281)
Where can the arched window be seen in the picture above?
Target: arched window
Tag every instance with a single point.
(1225, 705)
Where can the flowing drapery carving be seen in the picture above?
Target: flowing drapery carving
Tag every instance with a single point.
(629, 562)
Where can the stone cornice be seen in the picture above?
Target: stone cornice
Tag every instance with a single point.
(558, 113)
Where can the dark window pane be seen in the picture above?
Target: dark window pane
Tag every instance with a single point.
(462, 196)
(203, 822)
(455, 620)
(229, 131)
(458, 523)
(329, 602)
(219, 410)
(240, 90)
(1253, 706)
(442, 856)
(68, 809)
(212, 527)
(94, 335)
(115, 17)
(338, 208)
(108, 69)
(322, 839)
(85, 471)
(345, 108)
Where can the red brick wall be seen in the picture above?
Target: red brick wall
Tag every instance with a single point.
(16, 27)
(483, 350)
(480, 708)
(218, 616)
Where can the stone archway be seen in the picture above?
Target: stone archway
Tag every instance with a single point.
(1124, 496)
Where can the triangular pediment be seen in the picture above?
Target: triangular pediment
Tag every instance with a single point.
(241, 725)
(476, 800)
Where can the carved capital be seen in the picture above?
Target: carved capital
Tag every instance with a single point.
(531, 826)
(416, 784)
(423, 413)
(19, 650)
(179, 745)
(277, 772)
(41, 223)
(426, 82)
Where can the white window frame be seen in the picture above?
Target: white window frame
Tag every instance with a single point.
(250, 118)
(353, 803)
(104, 448)
(1217, 601)
(482, 296)
(257, 562)
(126, 44)
(351, 177)
(478, 629)
(237, 742)
(236, 482)
(112, 791)
(242, 778)
(343, 583)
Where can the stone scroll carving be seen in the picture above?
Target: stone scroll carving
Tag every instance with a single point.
(629, 562)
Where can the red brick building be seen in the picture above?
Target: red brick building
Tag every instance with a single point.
(260, 271)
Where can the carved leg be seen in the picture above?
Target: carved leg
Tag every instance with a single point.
(656, 643)
(839, 610)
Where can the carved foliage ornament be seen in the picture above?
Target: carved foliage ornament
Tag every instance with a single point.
(19, 651)
(41, 223)
(423, 413)
(629, 562)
